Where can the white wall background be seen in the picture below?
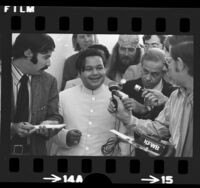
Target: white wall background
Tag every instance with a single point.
(64, 49)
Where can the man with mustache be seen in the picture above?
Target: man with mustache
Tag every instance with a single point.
(126, 52)
(34, 96)
(84, 107)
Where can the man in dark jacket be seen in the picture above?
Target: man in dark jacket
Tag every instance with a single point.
(153, 69)
(35, 95)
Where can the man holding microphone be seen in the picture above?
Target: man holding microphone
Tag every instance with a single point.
(175, 121)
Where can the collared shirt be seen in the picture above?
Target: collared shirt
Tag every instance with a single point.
(85, 110)
(175, 119)
(17, 75)
(159, 86)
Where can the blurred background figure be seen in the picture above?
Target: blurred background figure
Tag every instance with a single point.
(153, 41)
(80, 42)
(150, 41)
(105, 54)
(126, 52)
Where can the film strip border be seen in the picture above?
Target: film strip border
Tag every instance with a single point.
(88, 24)
(110, 21)
(124, 170)
(101, 20)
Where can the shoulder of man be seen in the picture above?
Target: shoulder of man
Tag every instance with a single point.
(48, 76)
(72, 58)
(69, 91)
(168, 88)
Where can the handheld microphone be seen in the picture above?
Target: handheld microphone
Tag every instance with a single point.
(139, 89)
(150, 145)
(115, 88)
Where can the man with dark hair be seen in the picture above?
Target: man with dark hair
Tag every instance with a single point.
(84, 108)
(103, 49)
(105, 53)
(80, 42)
(35, 95)
(153, 41)
(126, 53)
(175, 121)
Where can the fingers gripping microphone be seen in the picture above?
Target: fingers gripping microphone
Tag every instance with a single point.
(139, 89)
(115, 88)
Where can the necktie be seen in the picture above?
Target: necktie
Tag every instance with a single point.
(22, 113)
(22, 105)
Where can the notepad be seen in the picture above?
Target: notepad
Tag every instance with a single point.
(57, 126)
(123, 136)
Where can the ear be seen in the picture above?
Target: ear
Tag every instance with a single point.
(28, 54)
(180, 64)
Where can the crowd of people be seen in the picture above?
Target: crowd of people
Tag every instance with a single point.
(163, 111)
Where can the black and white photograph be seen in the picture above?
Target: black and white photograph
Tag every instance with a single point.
(124, 95)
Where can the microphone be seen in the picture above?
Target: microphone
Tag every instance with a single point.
(153, 146)
(115, 88)
(139, 89)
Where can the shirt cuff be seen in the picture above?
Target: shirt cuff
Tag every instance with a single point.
(62, 135)
(133, 122)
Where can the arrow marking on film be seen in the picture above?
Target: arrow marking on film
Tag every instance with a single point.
(53, 179)
(152, 179)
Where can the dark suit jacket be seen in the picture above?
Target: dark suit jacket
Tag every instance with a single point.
(128, 88)
(44, 103)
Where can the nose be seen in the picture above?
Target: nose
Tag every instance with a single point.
(94, 71)
(148, 77)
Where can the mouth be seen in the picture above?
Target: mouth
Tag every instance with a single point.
(95, 79)
(44, 68)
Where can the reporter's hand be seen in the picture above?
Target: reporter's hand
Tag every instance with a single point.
(43, 130)
(154, 97)
(132, 105)
(121, 112)
(73, 137)
(22, 129)
(170, 149)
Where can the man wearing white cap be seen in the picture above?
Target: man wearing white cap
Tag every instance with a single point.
(126, 52)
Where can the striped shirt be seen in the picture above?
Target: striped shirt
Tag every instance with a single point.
(174, 121)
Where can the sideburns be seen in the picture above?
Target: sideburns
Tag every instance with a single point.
(34, 58)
